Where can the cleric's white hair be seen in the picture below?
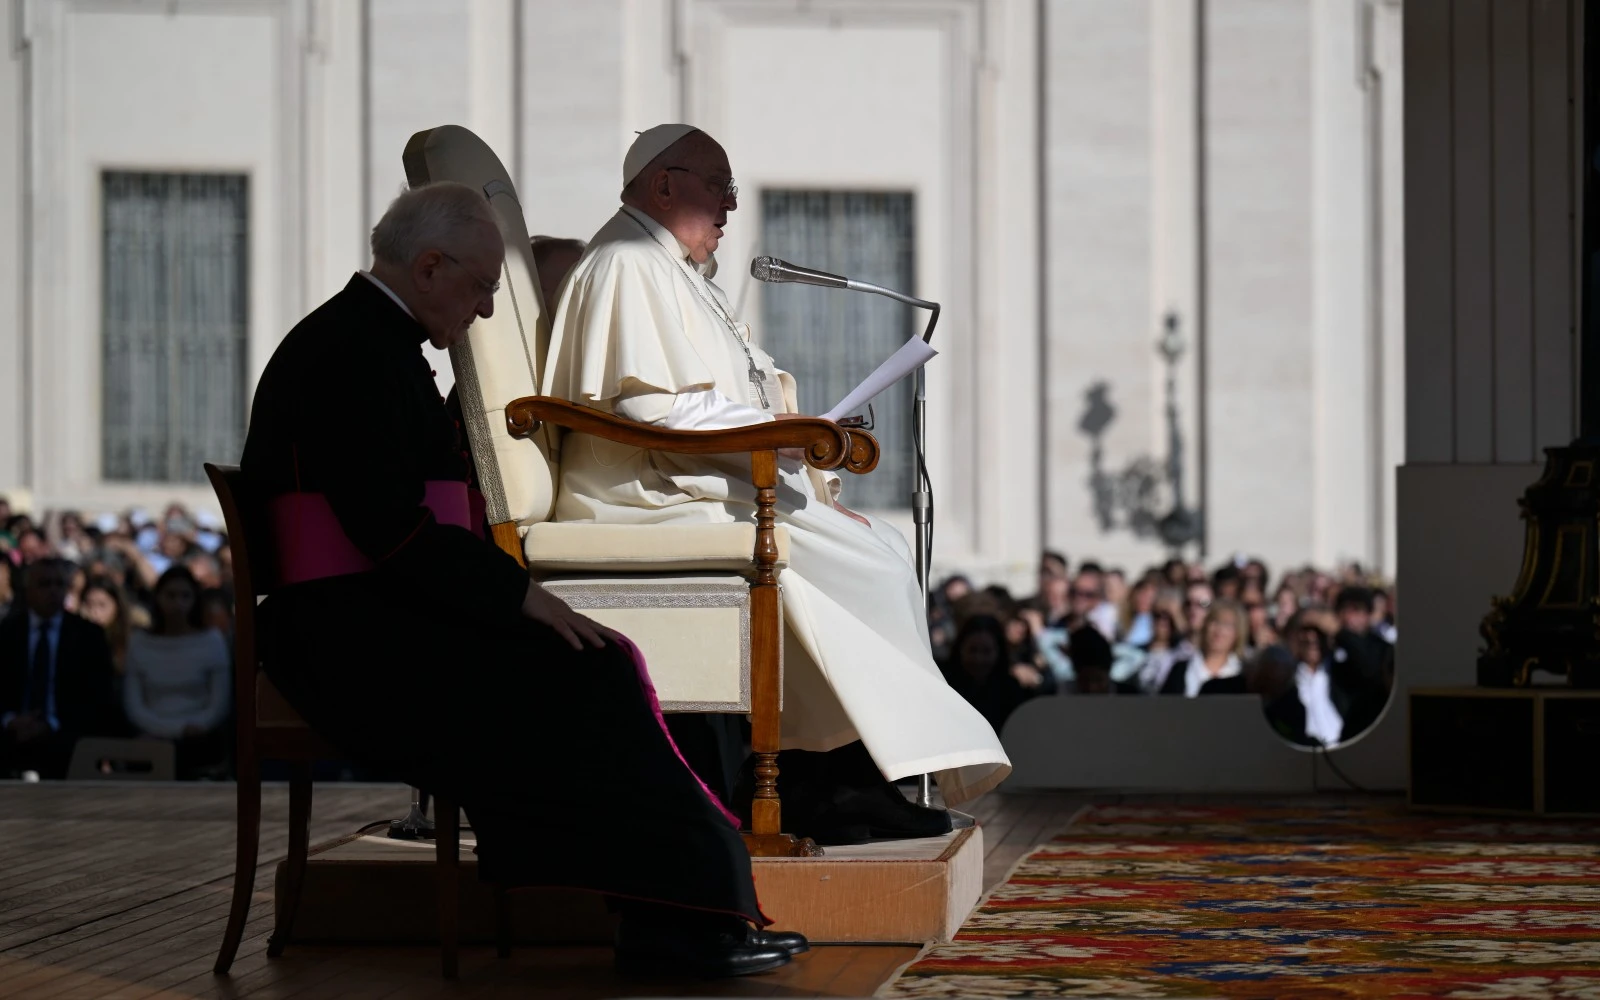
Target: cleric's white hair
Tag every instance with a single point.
(431, 217)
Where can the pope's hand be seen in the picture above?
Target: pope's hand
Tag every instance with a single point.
(847, 512)
(797, 454)
(545, 607)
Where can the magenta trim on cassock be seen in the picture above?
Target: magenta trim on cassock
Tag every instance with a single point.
(661, 720)
(312, 545)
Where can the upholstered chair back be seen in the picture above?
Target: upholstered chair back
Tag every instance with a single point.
(502, 357)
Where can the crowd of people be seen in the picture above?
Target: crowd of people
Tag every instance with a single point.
(114, 627)
(1316, 647)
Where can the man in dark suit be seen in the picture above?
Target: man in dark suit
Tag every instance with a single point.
(55, 678)
(1324, 700)
(1367, 654)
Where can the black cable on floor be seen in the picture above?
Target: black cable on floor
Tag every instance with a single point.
(1321, 750)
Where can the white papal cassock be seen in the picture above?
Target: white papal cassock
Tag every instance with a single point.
(640, 330)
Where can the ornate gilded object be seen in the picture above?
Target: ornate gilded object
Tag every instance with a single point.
(1551, 621)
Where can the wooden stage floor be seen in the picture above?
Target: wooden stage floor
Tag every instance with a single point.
(122, 890)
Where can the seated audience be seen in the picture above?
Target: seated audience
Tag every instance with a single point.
(1028, 663)
(1227, 582)
(104, 604)
(1357, 640)
(77, 579)
(1116, 589)
(178, 684)
(7, 595)
(1051, 600)
(1169, 645)
(216, 611)
(978, 670)
(1197, 598)
(55, 677)
(1254, 572)
(1137, 621)
(1285, 605)
(1091, 665)
(1258, 619)
(1087, 601)
(942, 616)
(1219, 657)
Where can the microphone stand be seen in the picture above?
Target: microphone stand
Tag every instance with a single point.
(922, 490)
(922, 487)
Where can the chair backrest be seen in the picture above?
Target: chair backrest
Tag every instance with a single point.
(503, 357)
(253, 570)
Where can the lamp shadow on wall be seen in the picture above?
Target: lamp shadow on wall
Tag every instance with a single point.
(1135, 497)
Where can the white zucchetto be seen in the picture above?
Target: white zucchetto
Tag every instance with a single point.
(651, 144)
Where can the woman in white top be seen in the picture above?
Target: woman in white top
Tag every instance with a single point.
(1221, 643)
(178, 684)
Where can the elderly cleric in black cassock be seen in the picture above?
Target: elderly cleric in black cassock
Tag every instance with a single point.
(426, 663)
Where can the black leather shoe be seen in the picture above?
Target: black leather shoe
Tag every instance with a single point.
(790, 941)
(653, 949)
(928, 821)
(854, 815)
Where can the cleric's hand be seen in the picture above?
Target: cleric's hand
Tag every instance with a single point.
(546, 608)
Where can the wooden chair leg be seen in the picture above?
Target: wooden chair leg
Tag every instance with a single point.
(244, 871)
(299, 847)
(765, 838)
(502, 921)
(447, 848)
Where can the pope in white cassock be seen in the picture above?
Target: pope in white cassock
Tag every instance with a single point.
(641, 330)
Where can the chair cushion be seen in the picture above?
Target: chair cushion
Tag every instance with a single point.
(645, 548)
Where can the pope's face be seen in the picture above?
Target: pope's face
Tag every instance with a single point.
(456, 286)
(698, 196)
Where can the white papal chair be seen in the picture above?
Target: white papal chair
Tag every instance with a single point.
(701, 601)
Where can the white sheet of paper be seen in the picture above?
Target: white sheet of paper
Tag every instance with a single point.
(913, 354)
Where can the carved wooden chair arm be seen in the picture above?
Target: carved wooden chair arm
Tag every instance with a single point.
(826, 444)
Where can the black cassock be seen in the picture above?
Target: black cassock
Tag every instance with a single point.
(426, 666)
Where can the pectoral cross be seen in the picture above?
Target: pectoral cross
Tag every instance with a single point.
(759, 382)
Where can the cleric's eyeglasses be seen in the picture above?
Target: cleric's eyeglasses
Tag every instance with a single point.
(730, 190)
(493, 288)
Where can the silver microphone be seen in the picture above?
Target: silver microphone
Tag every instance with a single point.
(773, 269)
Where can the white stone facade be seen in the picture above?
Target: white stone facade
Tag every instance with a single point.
(1081, 168)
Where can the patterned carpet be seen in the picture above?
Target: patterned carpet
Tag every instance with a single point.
(1282, 903)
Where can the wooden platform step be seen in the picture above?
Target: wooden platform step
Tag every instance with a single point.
(371, 889)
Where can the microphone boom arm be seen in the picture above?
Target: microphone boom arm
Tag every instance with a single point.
(910, 300)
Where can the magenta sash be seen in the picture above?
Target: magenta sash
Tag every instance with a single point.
(311, 544)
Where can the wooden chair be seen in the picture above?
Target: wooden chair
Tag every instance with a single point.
(269, 729)
(701, 600)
